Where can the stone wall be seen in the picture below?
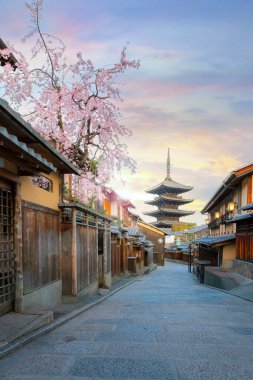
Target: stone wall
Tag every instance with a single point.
(244, 268)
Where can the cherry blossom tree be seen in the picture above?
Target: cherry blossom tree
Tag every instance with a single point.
(73, 104)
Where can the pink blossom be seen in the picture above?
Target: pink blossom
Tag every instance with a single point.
(73, 106)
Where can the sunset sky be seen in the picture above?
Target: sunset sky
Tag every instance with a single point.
(193, 92)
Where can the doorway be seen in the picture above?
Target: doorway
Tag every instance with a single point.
(100, 258)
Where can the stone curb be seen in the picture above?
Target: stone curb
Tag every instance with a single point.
(227, 292)
(12, 346)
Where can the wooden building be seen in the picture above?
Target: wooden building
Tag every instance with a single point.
(86, 251)
(168, 201)
(157, 237)
(31, 179)
(230, 220)
(140, 251)
(117, 207)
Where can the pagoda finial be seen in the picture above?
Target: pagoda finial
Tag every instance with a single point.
(168, 164)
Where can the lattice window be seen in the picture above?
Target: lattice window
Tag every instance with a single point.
(7, 289)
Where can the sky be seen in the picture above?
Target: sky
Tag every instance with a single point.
(193, 92)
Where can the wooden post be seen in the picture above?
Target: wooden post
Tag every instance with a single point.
(97, 263)
(18, 250)
(73, 254)
(70, 184)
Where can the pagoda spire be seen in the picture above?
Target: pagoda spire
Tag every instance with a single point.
(168, 165)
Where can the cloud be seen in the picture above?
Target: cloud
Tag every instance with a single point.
(148, 113)
(242, 108)
(196, 111)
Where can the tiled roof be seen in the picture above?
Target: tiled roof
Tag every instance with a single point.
(166, 211)
(133, 231)
(239, 217)
(249, 206)
(167, 199)
(13, 140)
(211, 240)
(17, 126)
(231, 181)
(168, 183)
(164, 224)
(182, 247)
(197, 229)
(115, 230)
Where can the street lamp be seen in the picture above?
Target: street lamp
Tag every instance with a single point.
(190, 258)
(217, 215)
(231, 206)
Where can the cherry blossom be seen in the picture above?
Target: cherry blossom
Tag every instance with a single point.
(73, 105)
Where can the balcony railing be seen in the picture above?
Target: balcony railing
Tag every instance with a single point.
(214, 223)
(224, 219)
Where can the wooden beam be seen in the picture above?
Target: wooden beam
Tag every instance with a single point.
(249, 197)
(22, 162)
(9, 175)
(244, 170)
(73, 254)
(18, 250)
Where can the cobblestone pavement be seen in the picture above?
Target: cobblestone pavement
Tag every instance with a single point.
(163, 326)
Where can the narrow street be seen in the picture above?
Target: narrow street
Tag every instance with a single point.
(163, 326)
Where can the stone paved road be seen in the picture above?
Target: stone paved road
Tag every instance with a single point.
(163, 326)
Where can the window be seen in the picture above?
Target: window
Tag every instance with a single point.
(43, 182)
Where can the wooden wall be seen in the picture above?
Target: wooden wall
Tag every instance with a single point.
(124, 252)
(86, 256)
(86, 242)
(158, 248)
(115, 256)
(107, 250)
(244, 248)
(41, 248)
(244, 241)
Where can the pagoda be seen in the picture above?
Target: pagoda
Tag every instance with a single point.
(168, 201)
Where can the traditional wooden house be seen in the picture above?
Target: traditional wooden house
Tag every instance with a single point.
(31, 181)
(86, 251)
(197, 232)
(230, 221)
(140, 251)
(157, 238)
(118, 209)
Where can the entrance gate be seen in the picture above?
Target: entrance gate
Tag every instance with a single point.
(7, 287)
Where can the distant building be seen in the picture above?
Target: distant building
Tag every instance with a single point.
(157, 237)
(197, 232)
(117, 207)
(168, 201)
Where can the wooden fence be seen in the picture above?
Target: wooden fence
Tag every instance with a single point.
(86, 255)
(85, 248)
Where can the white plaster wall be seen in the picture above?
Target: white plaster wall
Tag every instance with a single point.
(229, 254)
(43, 298)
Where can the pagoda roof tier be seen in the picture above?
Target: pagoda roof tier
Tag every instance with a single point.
(169, 186)
(163, 199)
(164, 223)
(169, 212)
